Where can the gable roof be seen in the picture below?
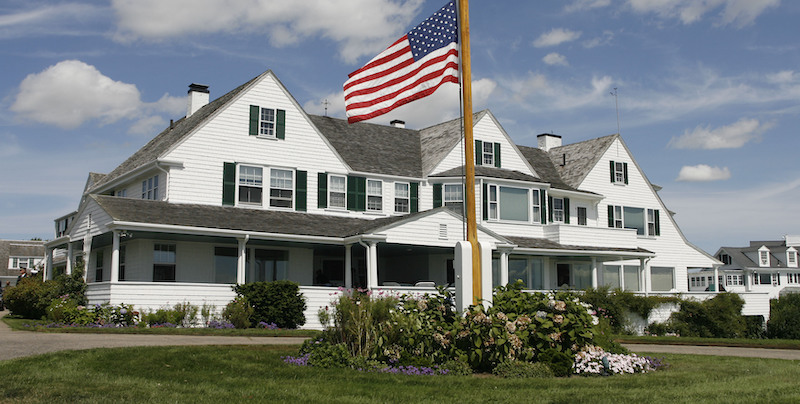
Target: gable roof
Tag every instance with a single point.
(156, 147)
(438, 140)
(543, 165)
(580, 157)
(740, 259)
(372, 148)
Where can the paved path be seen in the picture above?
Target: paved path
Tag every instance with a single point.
(15, 344)
(716, 350)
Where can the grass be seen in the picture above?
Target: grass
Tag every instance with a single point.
(20, 324)
(257, 374)
(734, 342)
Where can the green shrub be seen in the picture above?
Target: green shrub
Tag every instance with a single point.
(30, 298)
(559, 362)
(784, 317)
(278, 302)
(357, 319)
(69, 311)
(616, 305)
(180, 315)
(522, 369)
(238, 312)
(754, 327)
(456, 367)
(325, 354)
(718, 317)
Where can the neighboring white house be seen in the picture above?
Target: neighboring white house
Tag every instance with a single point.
(20, 254)
(250, 187)
(764, 266)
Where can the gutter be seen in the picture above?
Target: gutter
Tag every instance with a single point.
(204, 231)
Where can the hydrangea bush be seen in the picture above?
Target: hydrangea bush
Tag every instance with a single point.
(593, 360)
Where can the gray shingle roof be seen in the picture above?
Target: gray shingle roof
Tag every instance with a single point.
(581, 157)
(740, 260)
(372, 148)
(18, 248)
(543, 165)
(489, 172)
(541, 243)
(232, 218)
(438, 140)
(162, 143)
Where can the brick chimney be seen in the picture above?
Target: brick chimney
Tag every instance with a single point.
(198, 97)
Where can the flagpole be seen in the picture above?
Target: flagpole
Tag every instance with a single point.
(469, 149)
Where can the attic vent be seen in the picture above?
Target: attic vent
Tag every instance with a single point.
(442, 231)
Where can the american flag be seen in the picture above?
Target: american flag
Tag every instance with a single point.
(410, 69)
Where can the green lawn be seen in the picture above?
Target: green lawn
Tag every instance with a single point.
(257, 374)
(736, 342)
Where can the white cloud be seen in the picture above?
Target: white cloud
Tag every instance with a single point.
(585, 5)
(9, 145)
(702, 173)
(537, 92)
(556, 36)
(49, 19)
(71, 93)
(361, 27)
(732, 136)
(555, 59)
(602, 40)
(782, 77)
(735, 12)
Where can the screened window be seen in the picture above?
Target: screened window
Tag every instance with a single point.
(98, 267)
(122, 252)
(374, 195)
(454, 197)
(581, 216)
(611, 276)
(402, 197)
(270, 265)
(281, 188)
(337, 191)
(164, 263)
(529, 271)
(631, 273)
(514, 204)
(662, 278)
(251, 184)
(150, 188)
(226, 260)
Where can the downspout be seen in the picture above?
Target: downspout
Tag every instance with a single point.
(166, 181)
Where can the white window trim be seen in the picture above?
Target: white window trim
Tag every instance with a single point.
(791, 257)
(763, 257)
(493, 203)
(619, 173)
(331, 192)
(487, 154)
(555, 218)
(578, 216)
(261, 121)
(445, 201)
(239, 185)
(536, 202)
(150, 188)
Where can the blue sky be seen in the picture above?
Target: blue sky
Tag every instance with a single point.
(708, 90)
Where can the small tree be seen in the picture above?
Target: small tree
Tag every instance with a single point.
(784, 317)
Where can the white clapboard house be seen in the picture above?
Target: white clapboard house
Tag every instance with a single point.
(249, 187)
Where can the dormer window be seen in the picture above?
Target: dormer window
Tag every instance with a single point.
(791, 257)
(763, 256)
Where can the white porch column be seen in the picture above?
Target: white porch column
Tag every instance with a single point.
(70, 257)
(594, 272)
(348, 266)
(504, 252)
(621, 276)
(48, 264)
(748, 280)
(546, 273)
(716, 279)
(241, 262)
(645, 284)
(462, 263)
(115, 257)
(373, 258)
(87, 255)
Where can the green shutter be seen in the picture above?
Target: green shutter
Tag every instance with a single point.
(301, 190)
(485, 198)
(280, 124)
(356, 193)
(658, 223)
(611, 169)
(566, 210)
(543, 206)
(497, 155)
(228, 184)
(437, 195)
(625, 172)
(478, 153)
(255, 111)
(611, 216)
(550, 209)
(322, 190)
(414, 197)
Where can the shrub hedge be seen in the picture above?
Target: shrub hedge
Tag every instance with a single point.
(278, 302)
(784, 318)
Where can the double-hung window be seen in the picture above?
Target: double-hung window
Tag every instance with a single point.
(164, 263)
(537, 205)
(251, 184)
(493, 201)
(581, 216)
(793, 278)
(734, 280)
(266, 122)
(150, 188)
(558, 210)
(402, 197)
(281, 188)
(337, 191)
(615, 216)
(488, 153)
(791, 257)
(374, 195)
(454, 197)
